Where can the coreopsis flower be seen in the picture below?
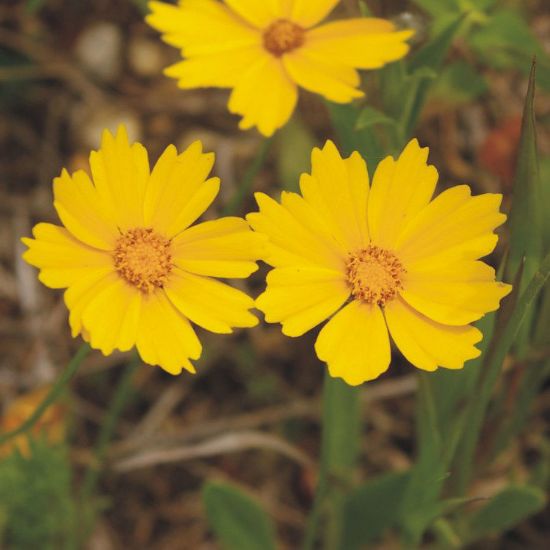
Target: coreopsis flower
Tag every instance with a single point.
(135, 270)
(51, 424)
(380, 260)
(264, 50)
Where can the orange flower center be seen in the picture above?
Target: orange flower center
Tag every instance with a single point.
(143, 259)
(375, 275)
(283, 36)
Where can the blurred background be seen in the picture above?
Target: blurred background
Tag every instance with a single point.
(69, 69)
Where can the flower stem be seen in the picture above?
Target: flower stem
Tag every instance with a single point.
(248, 179)
(52, 396)
(116, 406)
(339, 450)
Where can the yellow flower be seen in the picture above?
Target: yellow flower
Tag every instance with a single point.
(398, 261)
(265, 49)
(134, 269)
(51, 424)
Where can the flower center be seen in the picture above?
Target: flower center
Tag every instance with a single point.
(283, 36)
(375, 275)
(143, 259)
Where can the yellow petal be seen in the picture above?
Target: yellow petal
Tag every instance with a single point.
(81, 293)
(83, 211)
(221, 69)
(454, 293)
(177, 193)
(355, 344)
(258, 14)
(427, 344)
(338, 190)
(454, 226)
(220, 248)
(264, 96)
(165, 337)
(120, 172)
(335, 81)
(111, 316)
(400, 190)
(302, 297)
(366, 43)
(308, 13)
(209, 303)
(201, 26)
(61, 258)
(291, 241)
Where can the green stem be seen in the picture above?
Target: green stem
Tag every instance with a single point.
(52, 396)
(499, 349)
(339, 450)
(245, 187)
(116, 406)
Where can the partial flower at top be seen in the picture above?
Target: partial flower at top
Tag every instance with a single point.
(380, 260)
(265, 49)
(135, 270)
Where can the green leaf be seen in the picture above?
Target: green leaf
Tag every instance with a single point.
(437, 8)
(426, 62)
(459, 83)
(370, 116)
(344, 120)
(294, 144)
(237, 520)
(505, 40)
(545, 198)
(505, 510)
(526, 239)
(372, 508)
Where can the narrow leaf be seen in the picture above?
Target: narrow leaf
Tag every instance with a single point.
(236, 519)
(370, 116)
(372, 508)
(505, 510)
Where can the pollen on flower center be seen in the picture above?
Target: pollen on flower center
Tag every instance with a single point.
(283, 36)
(143, 259)
(375, 275)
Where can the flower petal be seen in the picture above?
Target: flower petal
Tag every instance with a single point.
(61, 258)
(83, 211)
(112, 314)
(427, 344)
(302, 297)
(264, 96)
(454, 226)
(221, 69)
(209, 303)
(308, 13)
(258, 14)
(225, 247)
(332, 79)
(365, 43)
(400, 189)
(201, 26)
(177, 193)
(165, 337)
(355, 344)
(456, 293)
(338, 190)
(292, 242)
(120, 172)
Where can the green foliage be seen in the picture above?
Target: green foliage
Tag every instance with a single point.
(459, 83)
(505, 510)
(237, 520)
(372, 508)
(370, 116)
(36, 506)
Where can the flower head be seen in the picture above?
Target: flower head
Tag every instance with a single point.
(379, 260)
(135, 270)
(264, 50)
